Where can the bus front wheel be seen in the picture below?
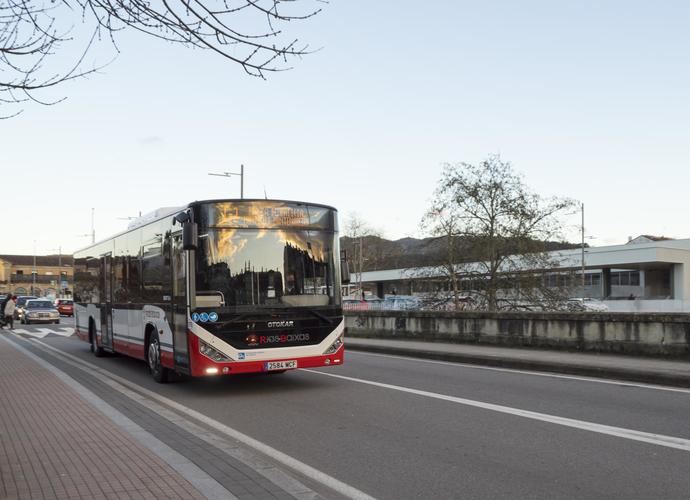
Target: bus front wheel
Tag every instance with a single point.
(153, 356)
(95, 348)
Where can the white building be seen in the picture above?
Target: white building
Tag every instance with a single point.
(648, 274)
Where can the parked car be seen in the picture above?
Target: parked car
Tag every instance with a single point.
(375, 303)
(355, 305)
(19, 307)
(65, 307)
(40, 311)
(401, 302)
(447, 302)
(587, 304)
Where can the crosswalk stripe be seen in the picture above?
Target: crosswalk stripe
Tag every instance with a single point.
(32, 333)
(44, 332)
(65, 332)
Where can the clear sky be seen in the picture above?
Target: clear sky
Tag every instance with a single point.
(589, 100)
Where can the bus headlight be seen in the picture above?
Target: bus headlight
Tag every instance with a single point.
(335, 346)
(212, 353)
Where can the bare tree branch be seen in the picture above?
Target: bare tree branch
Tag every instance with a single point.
(34, 32)
(505, 228)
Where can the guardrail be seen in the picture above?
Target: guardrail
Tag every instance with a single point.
(654, 333)
(40, 279)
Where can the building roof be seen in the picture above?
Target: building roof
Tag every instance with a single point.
(642, 255)
(647, 238)
(41, 260)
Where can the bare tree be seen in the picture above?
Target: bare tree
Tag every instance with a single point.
(33, 33)
(358, 230)
(506, 228)
(443, 222)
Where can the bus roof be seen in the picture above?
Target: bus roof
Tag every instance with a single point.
(164, 212)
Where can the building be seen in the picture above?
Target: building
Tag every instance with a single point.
(54, 275)
(648, 274)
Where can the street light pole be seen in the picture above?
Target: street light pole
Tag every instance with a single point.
(229, 174)
(59, 280)
(583, 249)
(33, 272)
(361, 260)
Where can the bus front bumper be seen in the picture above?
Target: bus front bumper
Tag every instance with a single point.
(203, 366)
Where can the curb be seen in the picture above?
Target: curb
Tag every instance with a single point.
(661, 378)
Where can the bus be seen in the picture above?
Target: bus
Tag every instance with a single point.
(217, 287)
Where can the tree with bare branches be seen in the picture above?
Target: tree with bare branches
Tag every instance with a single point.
(505, 228)
(357, 230)
(443, 222)
(35, 35)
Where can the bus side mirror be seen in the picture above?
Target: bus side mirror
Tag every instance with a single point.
(190, 229)
(344, 268)
(189, 235)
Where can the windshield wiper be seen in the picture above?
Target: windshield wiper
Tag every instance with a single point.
(237, 319)
(321, 316)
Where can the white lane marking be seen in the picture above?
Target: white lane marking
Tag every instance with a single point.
(646, 437)
(44, 332)
(32, 333)
(65, 332)
(307, 470)
(525, 372)
(270, 471)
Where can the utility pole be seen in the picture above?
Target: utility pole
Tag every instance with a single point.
(59, 281)
(60, 269)
(230, 174)
(33, 272)
(361, 260)
(93, 228)
(583, 249)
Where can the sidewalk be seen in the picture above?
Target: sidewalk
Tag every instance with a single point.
(54, 444)
(639, 369)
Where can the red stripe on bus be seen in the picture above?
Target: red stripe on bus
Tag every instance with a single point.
(200, 363)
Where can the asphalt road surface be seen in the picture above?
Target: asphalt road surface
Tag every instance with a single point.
(399, 428)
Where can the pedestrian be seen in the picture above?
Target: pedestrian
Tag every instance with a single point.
(9, 311)
(3, 303)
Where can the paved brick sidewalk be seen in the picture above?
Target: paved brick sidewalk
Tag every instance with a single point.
(54, 444)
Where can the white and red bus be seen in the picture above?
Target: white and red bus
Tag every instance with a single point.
(217, 287)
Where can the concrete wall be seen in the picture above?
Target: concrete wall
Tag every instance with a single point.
(652, 334)
(648, 306)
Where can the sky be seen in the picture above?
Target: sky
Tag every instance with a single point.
(588, 100)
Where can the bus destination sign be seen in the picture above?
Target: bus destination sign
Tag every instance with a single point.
(285, 216)
(266, 214)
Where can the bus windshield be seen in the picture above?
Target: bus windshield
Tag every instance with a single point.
(243, 269)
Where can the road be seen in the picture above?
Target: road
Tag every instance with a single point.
(398, 428)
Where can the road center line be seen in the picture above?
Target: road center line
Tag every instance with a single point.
(645, 437)
(525, 372)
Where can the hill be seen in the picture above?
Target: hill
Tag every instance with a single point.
(380, 253)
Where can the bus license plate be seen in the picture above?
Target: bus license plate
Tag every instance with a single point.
(279, 365)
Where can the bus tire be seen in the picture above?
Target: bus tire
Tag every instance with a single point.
(153, 358)
(95, 348)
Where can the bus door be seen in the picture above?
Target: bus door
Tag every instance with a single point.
(179, 305)
(107, 309)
